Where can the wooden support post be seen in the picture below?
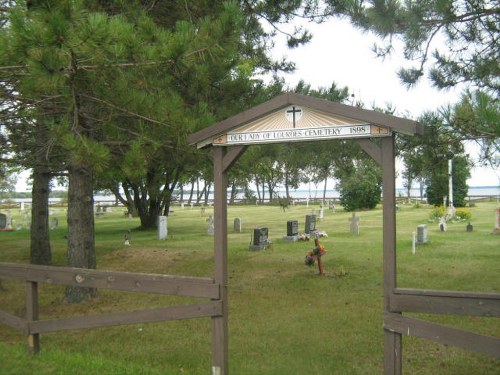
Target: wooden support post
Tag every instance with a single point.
(220, 323)
(32, 315)
(392, 340)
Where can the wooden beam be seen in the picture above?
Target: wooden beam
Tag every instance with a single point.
(443, 334)
(13, 321)
(392, 340)
(124, 281)
(232, 155)
(159, 314)
(445, 302)
(220, 327)
(32, 315)
(372, 149)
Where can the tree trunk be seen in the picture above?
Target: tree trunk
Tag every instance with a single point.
(81, 242)
(40, 251)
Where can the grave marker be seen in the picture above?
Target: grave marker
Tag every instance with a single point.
(237, 225)
(210, 225)
(422, 234)
(310, 224)
(162, 228)
(497, 221)
(354, 223)
(54, 223)
(260, 239)
(442, 224)
(469, 227)
(292, 231)
(3, 221)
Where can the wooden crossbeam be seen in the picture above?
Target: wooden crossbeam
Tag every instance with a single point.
(445, 302)
(113, 280)
(442, 334)
(159, 314)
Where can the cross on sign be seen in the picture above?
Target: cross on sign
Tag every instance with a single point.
(293, 114)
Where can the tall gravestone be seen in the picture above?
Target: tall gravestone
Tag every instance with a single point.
(310, 224)
(3, 221)
(354, 227)
(292, 231)
(422, 234)
(237, 225)
(162, 228)
(497, 221)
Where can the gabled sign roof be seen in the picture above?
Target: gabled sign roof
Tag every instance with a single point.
(293, 117)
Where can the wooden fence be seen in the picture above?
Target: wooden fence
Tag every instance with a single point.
(123, 281)
(443, 302)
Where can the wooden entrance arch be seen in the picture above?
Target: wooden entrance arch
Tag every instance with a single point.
(296, 118)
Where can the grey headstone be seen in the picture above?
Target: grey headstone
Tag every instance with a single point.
(354, 227)
(210, 225)
(237, 225)
(469, 227)
(54, 223)
(310, 224)
(422, 234)
(292, 228)
(260, 239)
(3, 221)
(162, 228)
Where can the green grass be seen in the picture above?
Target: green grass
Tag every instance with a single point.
(284, 319)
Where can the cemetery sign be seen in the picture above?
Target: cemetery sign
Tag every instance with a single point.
(297, 124)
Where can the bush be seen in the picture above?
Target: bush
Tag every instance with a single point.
(463, 214)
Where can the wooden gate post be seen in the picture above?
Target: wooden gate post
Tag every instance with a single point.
(32, 314)
(392, 340)
(220, 323)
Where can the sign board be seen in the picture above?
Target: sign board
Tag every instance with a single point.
(297, 124)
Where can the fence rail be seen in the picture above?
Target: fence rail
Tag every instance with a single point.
(32, 275)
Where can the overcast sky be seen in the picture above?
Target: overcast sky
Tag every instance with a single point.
(342, 54)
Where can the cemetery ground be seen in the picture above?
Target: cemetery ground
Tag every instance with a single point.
(283, 318)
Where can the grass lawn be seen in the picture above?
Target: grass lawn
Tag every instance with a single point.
(284, 319)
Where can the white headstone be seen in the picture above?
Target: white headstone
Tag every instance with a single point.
(162, 228)
(210, 227)
(237, 225)
(321, 214)
(422, 234)
(354, 223)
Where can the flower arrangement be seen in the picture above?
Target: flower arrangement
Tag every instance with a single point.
(315, 255)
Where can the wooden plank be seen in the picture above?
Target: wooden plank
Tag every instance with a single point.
(443, 334)
(124, 281)
(372, 149)
(32, 315)
(13, 321)
(159, 314)
(392, 353)
(445, 302)
(220, 328)
(232, 156)
(392, 340)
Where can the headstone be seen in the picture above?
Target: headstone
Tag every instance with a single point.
(292, 231)
(442, 224)
(162, 228)
(127, 239)
(202, 212)
(21, 207)
(469, 227)
(310, 224)
(3, 221)
(497, 221)
(54, 223)
(9, 223)
(210, 225)
(237, 225)
(321, 213)
(354, 223)
(260, 239)
(331, 205)
(422, 234)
